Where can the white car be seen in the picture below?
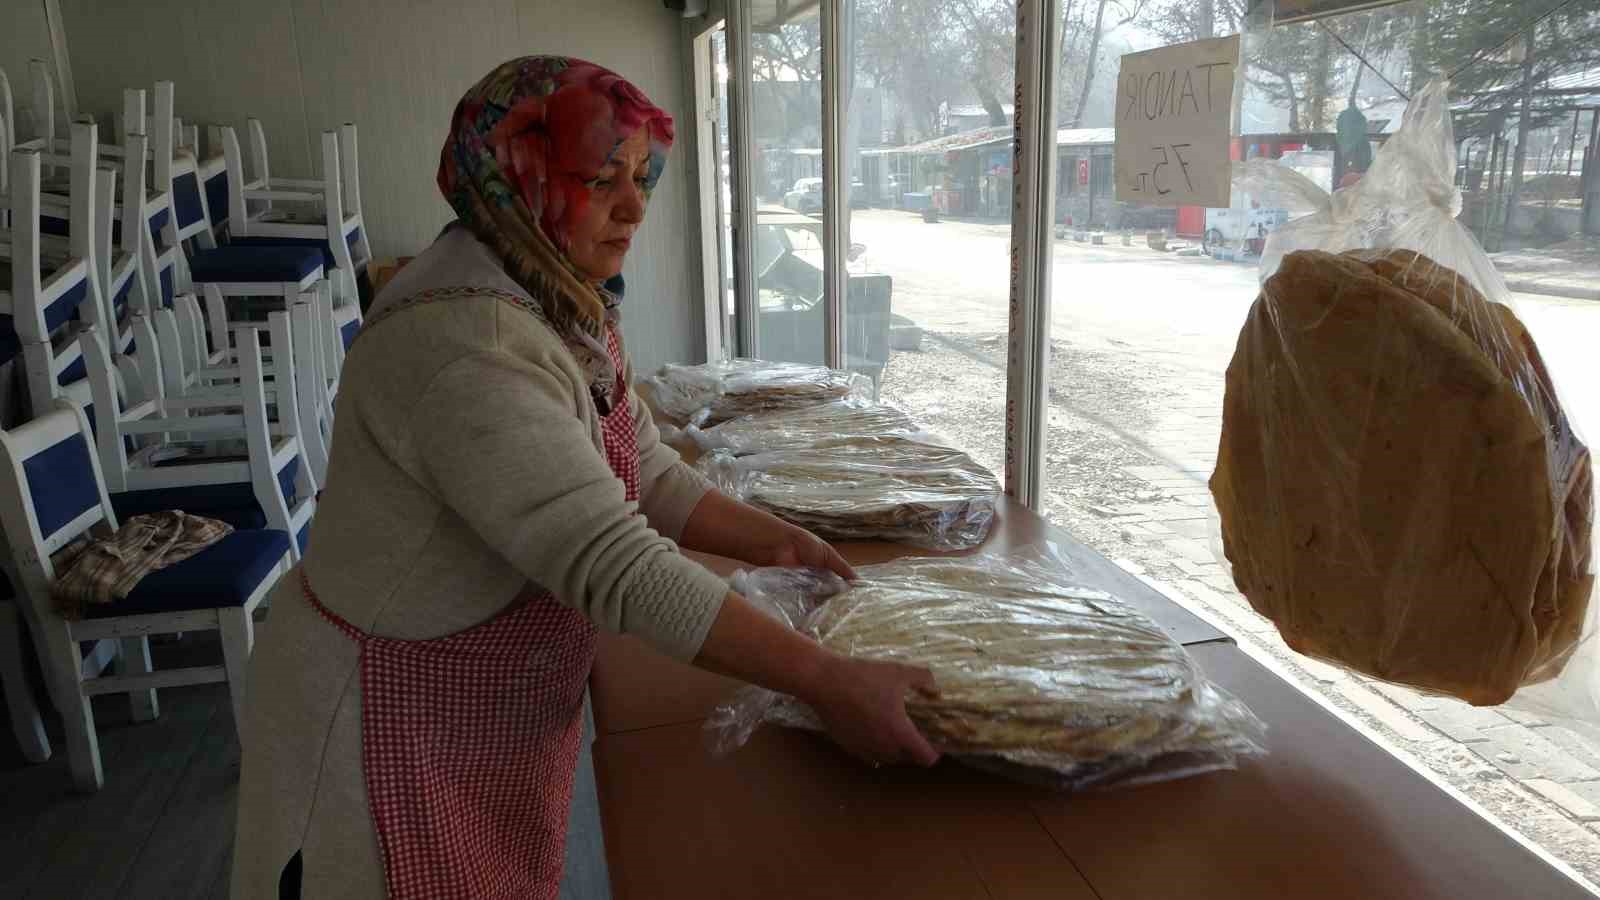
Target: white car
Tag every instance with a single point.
(806, 196)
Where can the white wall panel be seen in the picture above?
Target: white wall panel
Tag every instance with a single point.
(396, 69)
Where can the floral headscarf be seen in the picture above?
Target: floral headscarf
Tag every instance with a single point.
(525, 147)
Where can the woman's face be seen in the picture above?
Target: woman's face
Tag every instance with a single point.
(599, 238)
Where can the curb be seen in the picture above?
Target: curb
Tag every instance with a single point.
(1535, 286)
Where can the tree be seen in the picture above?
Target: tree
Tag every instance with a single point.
(1130, 10)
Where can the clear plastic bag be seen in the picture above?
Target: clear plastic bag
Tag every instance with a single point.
(713, 393)
(1400, 489)
(822, 425)
(1038, 679)
(875, 489)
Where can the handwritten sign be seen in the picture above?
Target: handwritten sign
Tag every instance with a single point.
(1174, 111)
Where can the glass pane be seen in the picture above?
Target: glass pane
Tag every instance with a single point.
(719, 88)
(786, 128)
(1148, 302)
(928, 141)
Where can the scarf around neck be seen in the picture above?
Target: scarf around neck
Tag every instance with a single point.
(526, 145)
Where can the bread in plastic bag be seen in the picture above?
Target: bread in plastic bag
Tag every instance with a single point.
(1399, 488)
(713, 393)
(822, 425)
(1038, 678)
(874, 489)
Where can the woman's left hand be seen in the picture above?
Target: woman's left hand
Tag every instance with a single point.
(726, 527)
(792, 546)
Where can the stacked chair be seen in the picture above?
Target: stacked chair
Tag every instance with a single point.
(126, 267)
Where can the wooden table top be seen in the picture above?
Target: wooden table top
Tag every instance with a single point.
(1327, 814)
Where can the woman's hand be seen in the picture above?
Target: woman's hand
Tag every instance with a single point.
(863, 704)
(726, 527)
(790, 546)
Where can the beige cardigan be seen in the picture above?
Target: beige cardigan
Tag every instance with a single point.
(467, 462)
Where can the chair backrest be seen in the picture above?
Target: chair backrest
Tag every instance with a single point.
(44, 103)
(51, 492)
(350, 173)
(59, 296)
(41, 305)
(333, 188)
(258, 153)
(177, 174)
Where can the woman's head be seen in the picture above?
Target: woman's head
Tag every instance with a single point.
(555, 156)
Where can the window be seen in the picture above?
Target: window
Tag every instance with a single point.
(928, 139)
(1148, 301)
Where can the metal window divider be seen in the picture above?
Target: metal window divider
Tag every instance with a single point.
(835, 183)
(741, 164)
(1032, 251)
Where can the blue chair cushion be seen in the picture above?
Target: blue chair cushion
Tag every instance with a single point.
(217, 197)
(349, 331)
(254, 264)
(233, 503)
(61, 482)
(186, 199)
(64, 308)
(224, 574)
(10, 343)
(317, 243)
(75, 372)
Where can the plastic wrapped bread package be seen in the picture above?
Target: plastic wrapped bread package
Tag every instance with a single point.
(879, 489)
(827, 424)
(1038, 678)
(1400, 489)
(713, 393)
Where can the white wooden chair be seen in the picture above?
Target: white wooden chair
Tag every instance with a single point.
(328, 216)
(242, 269)
(176, 173)
(42, 302)
(269, 484)
(52, 493)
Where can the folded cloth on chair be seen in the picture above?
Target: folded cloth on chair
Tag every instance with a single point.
(107, 570)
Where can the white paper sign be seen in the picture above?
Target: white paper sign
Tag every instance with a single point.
(1174, 114)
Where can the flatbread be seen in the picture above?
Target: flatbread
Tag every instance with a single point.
(1029, 670)
(822, 425)
(1561, 599)
(889, 489)
(713, 393)
(1385, 491)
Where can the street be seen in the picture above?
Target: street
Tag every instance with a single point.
(1165, 324)
(1140, 341)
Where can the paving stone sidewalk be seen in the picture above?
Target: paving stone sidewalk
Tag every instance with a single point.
(1539, 778)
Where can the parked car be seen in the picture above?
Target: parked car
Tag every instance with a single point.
(805, 197)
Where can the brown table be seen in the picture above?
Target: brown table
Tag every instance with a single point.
(1328, 814)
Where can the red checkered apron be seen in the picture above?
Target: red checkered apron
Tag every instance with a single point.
(470, 742)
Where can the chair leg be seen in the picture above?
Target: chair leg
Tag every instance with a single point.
(136, 656)
(238, 637)
(25, 721)
(59, 657)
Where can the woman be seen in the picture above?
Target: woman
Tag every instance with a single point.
(496, 494)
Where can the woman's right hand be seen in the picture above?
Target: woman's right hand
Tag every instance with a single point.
(863, 704)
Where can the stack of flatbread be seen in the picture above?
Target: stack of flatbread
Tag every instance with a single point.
(889, 489)
(1400, 491)
(713, 393)
(823, 425)
(1031, 671)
